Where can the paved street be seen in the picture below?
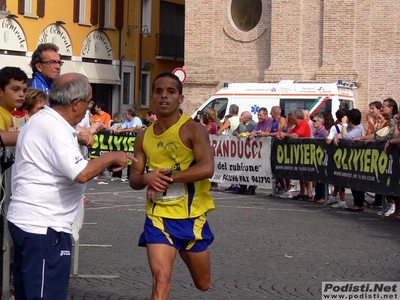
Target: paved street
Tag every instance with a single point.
(265, 248)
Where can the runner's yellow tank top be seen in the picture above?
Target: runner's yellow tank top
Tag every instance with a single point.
(181, 200)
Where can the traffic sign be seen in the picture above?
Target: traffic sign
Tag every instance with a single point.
(181, 74)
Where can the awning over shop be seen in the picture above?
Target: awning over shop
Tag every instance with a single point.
(21, 62)
(101, 73)
(72, 67)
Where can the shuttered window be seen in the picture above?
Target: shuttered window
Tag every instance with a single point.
(119, 13)
(25, 7)
(94, 12)
(40, 8)
(21, 7)
(76, 11)
(102, 20)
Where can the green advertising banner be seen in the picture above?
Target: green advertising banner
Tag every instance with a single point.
(106, 141)
(355, 165)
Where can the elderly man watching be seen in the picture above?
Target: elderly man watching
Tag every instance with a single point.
(132, 122)
(264, 124)
(279, 123)
(46, 66)
(50, 173)
(246, 125)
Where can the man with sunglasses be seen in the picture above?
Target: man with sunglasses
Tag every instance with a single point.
(46, 66)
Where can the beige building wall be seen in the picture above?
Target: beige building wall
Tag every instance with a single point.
(303, 40)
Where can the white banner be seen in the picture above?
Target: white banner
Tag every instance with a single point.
(238, 161)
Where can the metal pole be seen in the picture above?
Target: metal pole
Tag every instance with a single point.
(326, 193)
(6, 236)
(76, 258)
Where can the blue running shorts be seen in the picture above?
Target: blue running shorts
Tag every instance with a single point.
(192, 234)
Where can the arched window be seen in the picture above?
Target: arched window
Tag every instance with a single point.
(246, 13)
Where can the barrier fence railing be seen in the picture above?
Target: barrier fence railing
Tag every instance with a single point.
(354, 165)
(7, 243)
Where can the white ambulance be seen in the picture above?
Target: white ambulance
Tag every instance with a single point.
(288, 94)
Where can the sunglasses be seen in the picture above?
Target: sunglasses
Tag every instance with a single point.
(52, 62)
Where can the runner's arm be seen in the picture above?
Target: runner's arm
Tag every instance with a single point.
(203, 154)
(138, 180)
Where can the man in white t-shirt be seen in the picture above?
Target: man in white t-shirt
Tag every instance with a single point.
(232, 122)
(47, 188)
(336, 129)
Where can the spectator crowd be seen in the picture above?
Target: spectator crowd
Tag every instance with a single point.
(381, 125)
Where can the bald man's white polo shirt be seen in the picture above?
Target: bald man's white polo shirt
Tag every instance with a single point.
(47, 161)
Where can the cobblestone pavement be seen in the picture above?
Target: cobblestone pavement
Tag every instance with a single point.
(265, 248)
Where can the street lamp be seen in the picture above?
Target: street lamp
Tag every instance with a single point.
(144, 30)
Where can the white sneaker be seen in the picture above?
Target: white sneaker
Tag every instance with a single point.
(388, 211)
(293, 188)
(331, 200)
(340, 204)
(330, 189)
(285, 194)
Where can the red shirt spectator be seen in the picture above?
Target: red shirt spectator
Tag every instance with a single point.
(302, 129)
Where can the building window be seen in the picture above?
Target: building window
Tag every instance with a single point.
(126, 93)
(107, 13)
(172, 29)
(145, 90)
(246, 13)
(82, 11)
(146, 17)
(27, 7)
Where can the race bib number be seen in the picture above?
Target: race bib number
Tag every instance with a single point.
(175, 192)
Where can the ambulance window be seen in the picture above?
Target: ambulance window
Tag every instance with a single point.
(246, 13)
(289, 105)
(346, 104)
(219, 104)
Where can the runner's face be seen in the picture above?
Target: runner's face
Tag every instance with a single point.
(166, 96)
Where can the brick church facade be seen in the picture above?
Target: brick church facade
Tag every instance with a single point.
(302, 40)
